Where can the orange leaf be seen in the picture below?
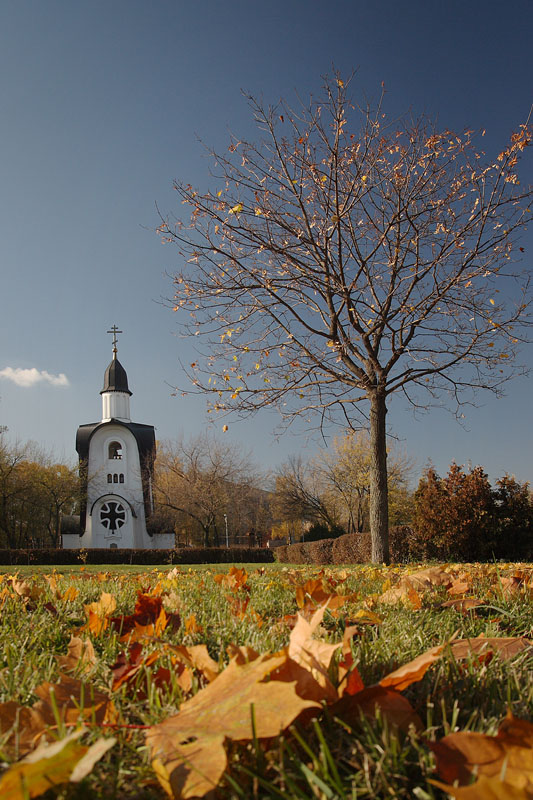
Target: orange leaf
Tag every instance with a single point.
(191, 625)
(506, 647)
(413, 671)
(75, 702)
(312, 654)
(509, 754)
(23, 727)
(389, 703)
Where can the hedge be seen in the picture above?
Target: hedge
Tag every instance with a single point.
(352, 548)
(185, 555)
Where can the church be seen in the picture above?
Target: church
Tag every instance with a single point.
(116, 468)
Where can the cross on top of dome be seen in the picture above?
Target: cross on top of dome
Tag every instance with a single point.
(114, 330)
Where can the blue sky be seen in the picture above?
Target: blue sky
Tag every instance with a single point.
(103, 105)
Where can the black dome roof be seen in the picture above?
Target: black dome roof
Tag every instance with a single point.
(115, 378)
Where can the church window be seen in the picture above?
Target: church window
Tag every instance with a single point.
(115, 451)
(115, 478)
(121, 478)
(112, 515)
(113, 546)
(109, 478)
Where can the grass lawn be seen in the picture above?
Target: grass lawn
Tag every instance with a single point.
(266, 681)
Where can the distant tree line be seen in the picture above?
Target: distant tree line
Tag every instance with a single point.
(35, 493)
(210, 493)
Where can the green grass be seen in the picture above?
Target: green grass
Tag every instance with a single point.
(327, 759)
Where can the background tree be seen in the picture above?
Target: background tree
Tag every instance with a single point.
(331, 491)
(344, 470)
(514, 519)
(34, 493)
(200, 480)
(300, 498)
(454, 515)
(342, 259)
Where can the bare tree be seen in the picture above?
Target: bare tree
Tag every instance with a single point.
(203, 479)
(300, 495)
(342, 259)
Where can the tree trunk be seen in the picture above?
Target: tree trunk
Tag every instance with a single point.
(379, 506)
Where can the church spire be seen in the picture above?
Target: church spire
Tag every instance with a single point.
(116, 393)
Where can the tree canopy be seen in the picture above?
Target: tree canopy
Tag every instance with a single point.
(343, 258)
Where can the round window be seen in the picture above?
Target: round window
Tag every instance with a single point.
(112, 515)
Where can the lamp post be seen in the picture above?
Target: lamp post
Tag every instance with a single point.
(226, 524)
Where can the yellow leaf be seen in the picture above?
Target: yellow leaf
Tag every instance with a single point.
(51, 765)
(224, 428)
(491, 302)
(236, 209)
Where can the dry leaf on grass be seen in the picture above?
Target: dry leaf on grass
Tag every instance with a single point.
(193, 740)
(81, 657)
(505, 647)
(509, 754)
(485, 789)
(312, 654)
(388, 702)
(75, 702)
(51, 765)
(23, 728)
(413, 671)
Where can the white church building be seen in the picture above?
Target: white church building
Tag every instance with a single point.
(116, 465)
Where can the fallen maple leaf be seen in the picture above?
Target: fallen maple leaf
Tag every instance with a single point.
(22, 728)
(509, 754)
(413, 671)
(462, 603)
(312, 654)
(74, 702)
(126, 671)
(50, 765)
(81, 657)
(98, 613)
(506, 647)
(484, 789)
(190, 745)
(377, 699)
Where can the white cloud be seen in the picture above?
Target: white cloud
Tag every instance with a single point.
(29, 377)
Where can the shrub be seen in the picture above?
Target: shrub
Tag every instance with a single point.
(461, 517)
